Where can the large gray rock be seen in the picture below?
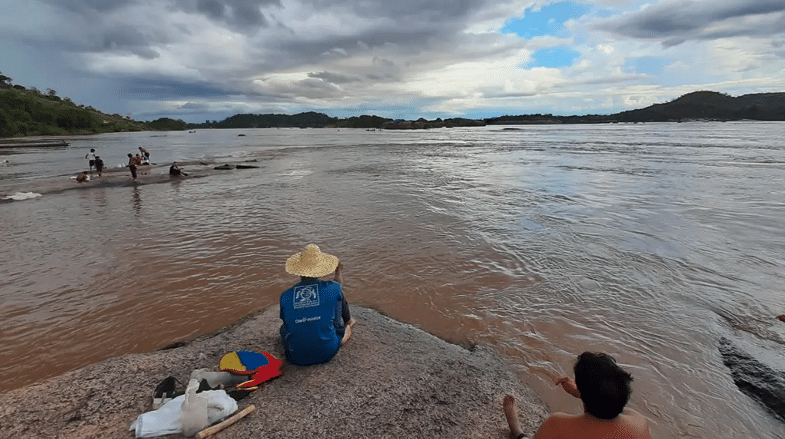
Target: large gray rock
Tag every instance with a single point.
(389, 380)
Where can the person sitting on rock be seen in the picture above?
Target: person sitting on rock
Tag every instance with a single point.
(604, 388)
(315, 314)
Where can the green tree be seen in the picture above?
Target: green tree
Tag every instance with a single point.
(5, 81)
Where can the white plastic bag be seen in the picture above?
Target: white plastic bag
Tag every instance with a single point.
(168, 418)
(194, 412)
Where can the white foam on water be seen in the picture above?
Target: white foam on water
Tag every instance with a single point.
(19, 196)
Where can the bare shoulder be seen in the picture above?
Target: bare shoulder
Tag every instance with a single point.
(637, 424)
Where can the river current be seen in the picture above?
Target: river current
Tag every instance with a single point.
(650, 242)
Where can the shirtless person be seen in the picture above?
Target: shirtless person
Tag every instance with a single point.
(132, 162)
(604, 388)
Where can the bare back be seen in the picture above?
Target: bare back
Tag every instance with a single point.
(628, 425)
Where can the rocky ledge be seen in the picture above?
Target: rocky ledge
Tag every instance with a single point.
(390, 380)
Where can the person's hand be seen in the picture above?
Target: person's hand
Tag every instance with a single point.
(347, 334)
(569, 386)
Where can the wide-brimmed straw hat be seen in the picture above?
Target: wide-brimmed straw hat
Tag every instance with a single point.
(311, 262)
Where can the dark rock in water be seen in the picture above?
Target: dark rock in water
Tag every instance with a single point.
(224, 167)
(754, 378)
(246, 167)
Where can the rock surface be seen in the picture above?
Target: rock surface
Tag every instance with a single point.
(389, 380)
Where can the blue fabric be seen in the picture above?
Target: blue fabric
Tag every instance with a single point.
(252, 360)
(312, 326)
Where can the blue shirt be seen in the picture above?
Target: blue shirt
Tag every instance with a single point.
(312, 326)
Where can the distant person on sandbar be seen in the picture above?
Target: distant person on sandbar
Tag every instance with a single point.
(175, 170)
(145, 154)
(315, 314)
(99, 165)
(90, 157)
(132, 165)
(604, 388)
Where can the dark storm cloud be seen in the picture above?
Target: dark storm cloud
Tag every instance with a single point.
(433, 10)
(162, 88)
(85, 6)
(240, 13)
(674, 23)
(125, 37)
(237, 13)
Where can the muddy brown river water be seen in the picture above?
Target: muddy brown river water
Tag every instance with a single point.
(650, 242)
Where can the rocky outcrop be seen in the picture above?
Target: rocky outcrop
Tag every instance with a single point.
(754, 378)
(389, 380)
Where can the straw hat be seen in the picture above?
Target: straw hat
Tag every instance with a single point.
(311, 262)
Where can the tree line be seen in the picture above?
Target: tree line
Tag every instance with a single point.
(30, 112)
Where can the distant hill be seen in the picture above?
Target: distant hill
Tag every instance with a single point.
(302, 120)
(699, 105)
(30, 112)
(713, 106)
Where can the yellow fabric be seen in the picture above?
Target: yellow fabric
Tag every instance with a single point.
(231, 361)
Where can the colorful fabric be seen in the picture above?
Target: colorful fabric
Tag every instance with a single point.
(261, 366)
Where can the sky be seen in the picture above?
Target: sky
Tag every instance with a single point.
(199, 60)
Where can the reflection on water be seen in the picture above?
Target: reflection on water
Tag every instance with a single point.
(650, 242)
(137, 200)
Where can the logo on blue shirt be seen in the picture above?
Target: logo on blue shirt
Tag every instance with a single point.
(306, 296)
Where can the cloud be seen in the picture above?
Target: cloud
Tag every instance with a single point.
(335, 78)
(676, 22)
(90, 6)
(240, 13)
(442, 57)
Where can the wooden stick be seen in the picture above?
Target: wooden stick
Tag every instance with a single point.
(209, 431)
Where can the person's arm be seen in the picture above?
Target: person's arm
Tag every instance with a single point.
(569, 386)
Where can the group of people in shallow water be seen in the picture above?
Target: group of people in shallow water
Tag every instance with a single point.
(140, 159)
(316, 322)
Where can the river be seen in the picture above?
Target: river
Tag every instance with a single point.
(647, 241)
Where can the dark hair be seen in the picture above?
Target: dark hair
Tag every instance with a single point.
(130, 155)
(604, 386)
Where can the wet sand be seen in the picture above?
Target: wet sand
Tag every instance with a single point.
(120, 177)
(390, 380)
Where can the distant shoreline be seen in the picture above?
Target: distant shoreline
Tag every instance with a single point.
(80, 120)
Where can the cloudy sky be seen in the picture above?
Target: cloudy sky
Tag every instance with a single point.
(209, 59)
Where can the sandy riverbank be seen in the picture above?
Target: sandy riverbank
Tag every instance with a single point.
(390, 380)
